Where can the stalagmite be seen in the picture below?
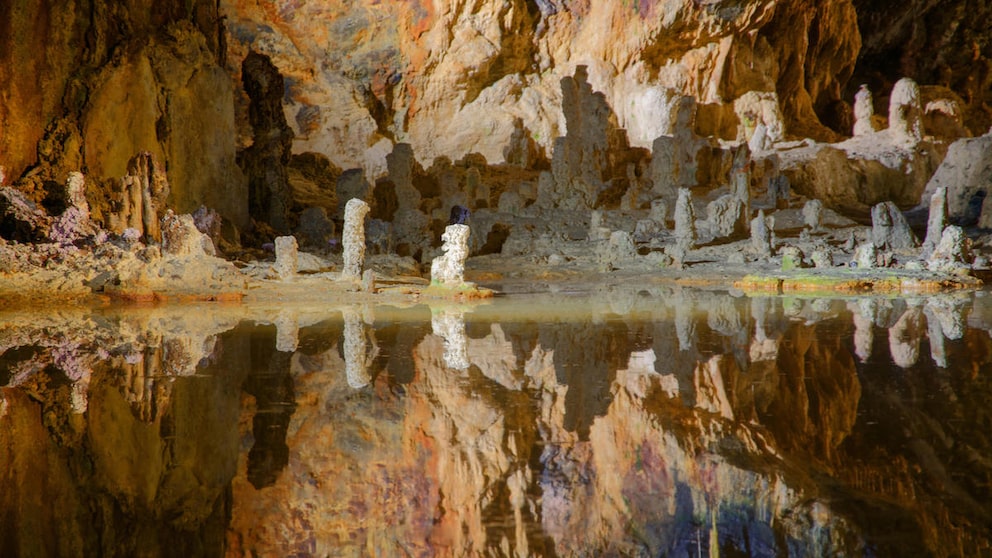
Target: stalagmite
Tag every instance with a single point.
(145, 190)
(685, 225)
(905, 113)
(889, 228)
(866, 255)
(353, 239)
(936, 221)
(864, 109)
(287, 253)
(952, 252)
(448, 269)
(761, 236)
(812, 213)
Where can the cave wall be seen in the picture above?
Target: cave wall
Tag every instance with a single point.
(85, 84)
(88, 84)
(944, 43)
(449, 77)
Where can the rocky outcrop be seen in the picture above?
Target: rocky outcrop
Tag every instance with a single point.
(935, 42)
(966, 175)
(87, 89)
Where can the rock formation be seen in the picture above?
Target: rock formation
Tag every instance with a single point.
(353, 239)
(180, 237)
(890, 230)
(905, 112)
(287, 253)
(448, 269)
(761, 236)
(864, 110)
(580, 162)
(936, 221)
(265, 161)
(143, 203)
(812, 213)
(965, 173)
(952, 252)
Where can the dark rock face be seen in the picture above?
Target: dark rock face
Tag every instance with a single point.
(20, 219)
(266, 160)
(943, 42)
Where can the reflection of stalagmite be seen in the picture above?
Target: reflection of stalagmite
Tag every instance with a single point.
(950, 313)
(710, 392)
(287, 332)
(763, 348)
(864, 330)
(356, 359)
(685, 328)
(938, 350)
(76, 369)
(353, 239)
(450, 325)
(904, 337)
(517, 483)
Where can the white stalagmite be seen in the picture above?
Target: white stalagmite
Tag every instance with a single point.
(905, 113)
(287, 257)
(448, 269)
(863, 111)
(353, 239)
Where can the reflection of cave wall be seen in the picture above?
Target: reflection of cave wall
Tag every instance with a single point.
(118, 481)
(549, 440)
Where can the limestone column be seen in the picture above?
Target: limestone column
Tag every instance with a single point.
(353, 239)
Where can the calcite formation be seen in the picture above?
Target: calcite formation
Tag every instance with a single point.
(353, 239)
(143, 204)
(905, 112)
(864, 110)
(287, 251)
(890, 230)
(448, 269)
(180, 236)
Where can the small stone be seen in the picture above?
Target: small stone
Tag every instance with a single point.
(866, 256)
(822, 258)
(792, 258)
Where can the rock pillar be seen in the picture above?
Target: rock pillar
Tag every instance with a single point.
(353, 238)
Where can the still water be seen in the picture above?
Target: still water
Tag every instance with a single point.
(622, 422)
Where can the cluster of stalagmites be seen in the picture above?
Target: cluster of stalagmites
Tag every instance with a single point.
(597, 200)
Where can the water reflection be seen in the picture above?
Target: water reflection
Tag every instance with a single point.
(632, 422)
